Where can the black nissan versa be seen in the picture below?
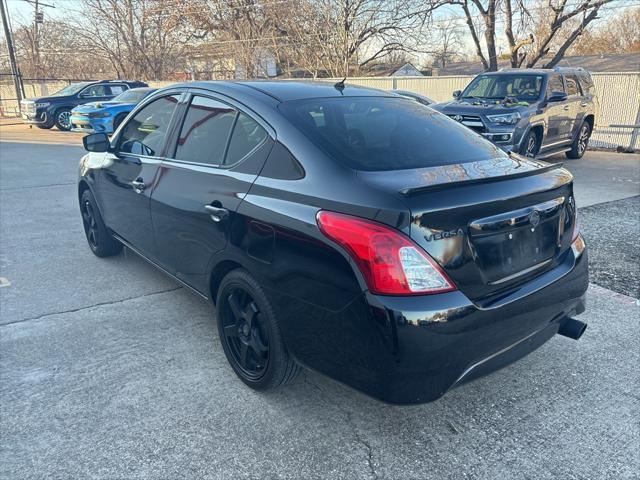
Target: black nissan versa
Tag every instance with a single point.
(343, 229)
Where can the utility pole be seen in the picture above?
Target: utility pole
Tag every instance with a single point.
(15, 72)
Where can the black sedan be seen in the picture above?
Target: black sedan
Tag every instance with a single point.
(343, 229)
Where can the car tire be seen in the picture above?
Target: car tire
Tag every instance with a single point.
(44, 126)
(62, 119)
(250, 334)
(581, 142)
(118, 120)
(531, 145)
(100, 240)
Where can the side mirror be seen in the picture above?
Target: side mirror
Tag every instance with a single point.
(96, 142)
(557, 97)
(457, 94)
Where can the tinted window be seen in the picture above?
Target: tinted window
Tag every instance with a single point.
(382, 133)
(498, 87)
(572, 85)
(205, 131)
(133, 96)
(554, 84)
(247, 135)
(95, 91)
(144, 134)
(117, 89)
(586, 82)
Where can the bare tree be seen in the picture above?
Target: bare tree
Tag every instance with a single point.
(620, 34)
(585, 13)
(447, 43)
(139, 38)
(567, 20)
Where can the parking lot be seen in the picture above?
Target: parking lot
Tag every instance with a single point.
(109, 369)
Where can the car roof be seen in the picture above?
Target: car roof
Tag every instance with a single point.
(287, 90)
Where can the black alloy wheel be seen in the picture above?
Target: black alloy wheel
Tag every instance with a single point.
(245, 333)
(100, 241)
(90, 224)
(250, 334)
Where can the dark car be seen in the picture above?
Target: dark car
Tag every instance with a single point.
(343, 229)
(533, 112)
(45, 112)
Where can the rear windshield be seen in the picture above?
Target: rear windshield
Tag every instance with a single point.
(382, 133)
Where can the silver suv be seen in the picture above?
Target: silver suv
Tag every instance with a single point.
(537, 113)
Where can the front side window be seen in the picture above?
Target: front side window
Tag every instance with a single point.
(69, 90)
(572, 85)
(554, 84)
(384, 133)
(498, 87)
(145, 133)
(95, 91)
(205, 131)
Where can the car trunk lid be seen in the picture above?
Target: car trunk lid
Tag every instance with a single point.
(493, 224)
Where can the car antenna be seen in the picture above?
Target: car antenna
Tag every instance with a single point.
(340, 85)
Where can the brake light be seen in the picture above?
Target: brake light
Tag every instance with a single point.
(576, 225)
(389, 261)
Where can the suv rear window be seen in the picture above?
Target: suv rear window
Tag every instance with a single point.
(382, 133)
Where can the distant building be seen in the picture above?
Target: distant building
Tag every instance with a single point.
(624, 62)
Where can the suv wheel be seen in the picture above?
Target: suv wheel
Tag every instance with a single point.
(63, 119)
(250, 334)
(579, 145)
(100, 241)
(530, 145)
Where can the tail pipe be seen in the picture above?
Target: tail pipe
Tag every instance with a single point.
(572, 328)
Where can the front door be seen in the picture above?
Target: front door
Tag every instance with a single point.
(130, 171)
(218, 154)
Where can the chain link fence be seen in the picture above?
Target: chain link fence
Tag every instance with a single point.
(617, 120)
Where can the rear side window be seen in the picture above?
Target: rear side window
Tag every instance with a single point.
(586, 82)
(247, 136)
(205, 131)
(572, 85)
(95, 91)
(145, 133)
(382, 133)
(117, 89)
(554, 84)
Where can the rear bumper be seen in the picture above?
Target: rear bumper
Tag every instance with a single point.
(406, 350)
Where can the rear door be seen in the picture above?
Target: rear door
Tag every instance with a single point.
(557, 113)
(574, 100)
(215, 158)
(129, 173)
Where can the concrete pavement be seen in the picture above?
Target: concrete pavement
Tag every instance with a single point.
(108, 369)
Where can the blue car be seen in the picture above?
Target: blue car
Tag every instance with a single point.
(104, 117)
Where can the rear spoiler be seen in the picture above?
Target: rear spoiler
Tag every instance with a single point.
(408, 191)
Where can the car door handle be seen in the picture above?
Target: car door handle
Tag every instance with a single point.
(217, 214)
(566, 107)
(583, 104)
(138, 185)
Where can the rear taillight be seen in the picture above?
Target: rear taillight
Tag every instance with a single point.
(576, 225)
(390, 262)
